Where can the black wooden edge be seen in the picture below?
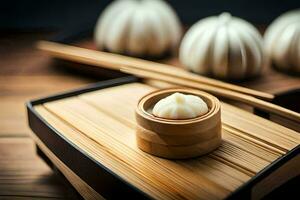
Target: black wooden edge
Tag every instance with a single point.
(73, 194)
(244, 192)
(100, 178)
(89, 88)
(277, 101)
(74, 33)
(93, 171)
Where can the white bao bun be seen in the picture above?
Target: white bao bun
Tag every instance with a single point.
(282, 41)
(180, 106)
(223, 46)
(138, 28)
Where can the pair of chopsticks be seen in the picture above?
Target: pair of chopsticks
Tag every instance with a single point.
(157, 71)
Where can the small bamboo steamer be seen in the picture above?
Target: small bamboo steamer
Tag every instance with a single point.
(178, 139)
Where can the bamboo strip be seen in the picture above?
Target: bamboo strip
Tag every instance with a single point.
(115, 62)
(266, 125)
(277, 140)
(241, 158)
(233, 165)
(234, 177)
(247, 143)
(248, 146)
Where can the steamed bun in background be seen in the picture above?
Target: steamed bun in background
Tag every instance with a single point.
(282, 42)
(138, 28)
(223, 46)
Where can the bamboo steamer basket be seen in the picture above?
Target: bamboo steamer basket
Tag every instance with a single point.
(178, 139)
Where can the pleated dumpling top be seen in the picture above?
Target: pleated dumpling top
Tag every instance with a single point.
(282, 41)
(223, 46)
(180, 106)
(138, 28)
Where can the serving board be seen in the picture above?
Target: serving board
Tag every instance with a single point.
(92, 132)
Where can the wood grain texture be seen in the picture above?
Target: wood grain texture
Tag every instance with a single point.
(84, 189)
(23, 174)
(27, 74)
(103, 124)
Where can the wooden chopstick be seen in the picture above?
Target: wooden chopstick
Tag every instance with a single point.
(221, 92)
(163, 72)
(115, 62)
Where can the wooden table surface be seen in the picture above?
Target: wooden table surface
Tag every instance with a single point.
(25, 74)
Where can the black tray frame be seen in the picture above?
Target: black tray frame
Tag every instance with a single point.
(99, 177)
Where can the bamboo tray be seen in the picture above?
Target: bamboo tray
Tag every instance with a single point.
(92, 133)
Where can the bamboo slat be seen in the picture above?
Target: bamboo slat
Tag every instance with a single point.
(102, 124)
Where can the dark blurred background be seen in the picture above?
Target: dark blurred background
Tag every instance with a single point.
(57, 14)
